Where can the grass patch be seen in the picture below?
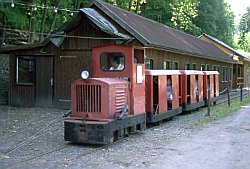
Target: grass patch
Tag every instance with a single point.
(220, 111)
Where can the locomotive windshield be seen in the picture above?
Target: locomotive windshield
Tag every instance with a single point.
(112, 61)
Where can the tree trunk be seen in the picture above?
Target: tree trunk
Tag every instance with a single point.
(54, 20)
(137, 6)
(45, 11)
(32, 25)
(130, 5)
(77, 4)
(2, 29)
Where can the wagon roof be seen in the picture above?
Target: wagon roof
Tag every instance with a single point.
(156, 35)
(189, 72)
(161, 72)
(210, 72)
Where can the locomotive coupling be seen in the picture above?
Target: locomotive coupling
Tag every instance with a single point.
(123, 112)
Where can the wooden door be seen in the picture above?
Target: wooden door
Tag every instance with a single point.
(44, 81)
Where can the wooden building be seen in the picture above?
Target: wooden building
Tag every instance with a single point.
(237, 73)
(41, 74)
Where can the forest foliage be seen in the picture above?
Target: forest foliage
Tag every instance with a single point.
(39, 18)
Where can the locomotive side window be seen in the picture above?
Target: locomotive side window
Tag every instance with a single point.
(112, 61)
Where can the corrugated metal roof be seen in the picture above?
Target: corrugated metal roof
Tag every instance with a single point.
(154, 34)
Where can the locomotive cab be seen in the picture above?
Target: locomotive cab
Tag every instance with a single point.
(112, 103)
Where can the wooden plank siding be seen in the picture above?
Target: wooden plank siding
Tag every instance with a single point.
(159, 56)
(75, 55)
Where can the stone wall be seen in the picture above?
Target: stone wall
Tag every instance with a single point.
(4, 79)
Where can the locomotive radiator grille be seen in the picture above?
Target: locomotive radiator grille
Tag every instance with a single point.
(88, 98)
(120, 100)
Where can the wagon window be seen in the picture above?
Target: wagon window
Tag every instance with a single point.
(112, 61)
(25, 69)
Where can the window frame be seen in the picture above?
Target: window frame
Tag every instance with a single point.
(207, 67)
(169, 63)
(151, 63)
(224, 74)
(31, 68)
(106, 60)
(187, 65)
(174, 65)
(203, 65)
(194, 66)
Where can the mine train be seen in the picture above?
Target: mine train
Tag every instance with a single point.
(118, 102)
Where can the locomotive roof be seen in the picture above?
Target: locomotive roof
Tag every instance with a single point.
(161, 72)
(156, 35)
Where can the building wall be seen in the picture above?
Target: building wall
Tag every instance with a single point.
(159, 56)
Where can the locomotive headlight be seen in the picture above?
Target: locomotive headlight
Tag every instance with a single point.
(85, 75)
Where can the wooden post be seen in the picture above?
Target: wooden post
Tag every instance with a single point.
(241, 93)
(228, 96)
(208, 104)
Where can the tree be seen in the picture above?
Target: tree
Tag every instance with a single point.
(183, 14)
(129, 5)
(216, 19)
(244, 28)
(158, 10)
(24, 16)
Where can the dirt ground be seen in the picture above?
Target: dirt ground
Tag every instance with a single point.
(33, 138)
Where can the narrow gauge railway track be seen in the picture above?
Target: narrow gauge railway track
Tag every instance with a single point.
(90, 149)
(27, 129)
(38, 134)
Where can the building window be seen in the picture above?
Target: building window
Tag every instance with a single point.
(166, 65)
(25, 69)
(230, 74)
(240, 74)
(202, 67)
(207, 67)
(224, 74)
(187, 66)
(218, 68)
(214, 68)
(149, 63)
(194, 66)
(175, 66)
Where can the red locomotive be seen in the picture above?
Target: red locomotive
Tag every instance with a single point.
(122, 96)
